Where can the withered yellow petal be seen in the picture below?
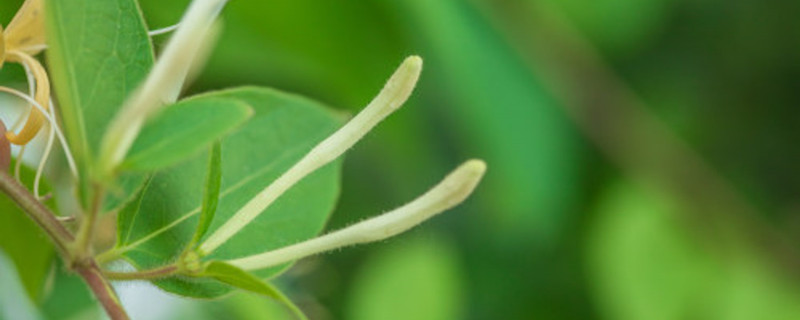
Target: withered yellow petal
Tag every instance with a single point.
(42, 96)
(2, 47)
(25, 32)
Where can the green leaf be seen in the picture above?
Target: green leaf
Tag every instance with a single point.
(211, 193)
(183, 130)
(24, 242)
(154, 230)
(241, 279)
(179, 132)
(127, 216)
(98, 53)
(121, 191)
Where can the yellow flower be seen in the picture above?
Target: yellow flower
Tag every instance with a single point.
(21, 40)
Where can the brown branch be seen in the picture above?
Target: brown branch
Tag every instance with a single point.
(102, 290)
(62, 239)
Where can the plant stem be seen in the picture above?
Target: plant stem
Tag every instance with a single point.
(63, 239)
(102, 290)
(151, 274)
(40, 214)
(83, 242)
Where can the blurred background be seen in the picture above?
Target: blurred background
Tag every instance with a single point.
(643, 159)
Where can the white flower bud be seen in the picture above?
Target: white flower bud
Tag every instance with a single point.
(456, 187)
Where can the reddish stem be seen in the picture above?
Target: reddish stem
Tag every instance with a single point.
(102, 290)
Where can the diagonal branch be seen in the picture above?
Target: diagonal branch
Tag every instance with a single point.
(62, 238)
(102, 290)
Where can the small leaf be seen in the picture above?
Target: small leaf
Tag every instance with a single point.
(241, 279)
(183, 130)
(211, 194)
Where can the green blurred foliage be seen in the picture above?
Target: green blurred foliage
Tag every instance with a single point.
(618, 27)
(645, 265)
(14, 300)
(419, 278)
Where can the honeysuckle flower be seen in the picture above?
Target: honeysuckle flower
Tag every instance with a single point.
(456, 187)
(22, 39)
(391, 97)
(55, 131)
(19, 42)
